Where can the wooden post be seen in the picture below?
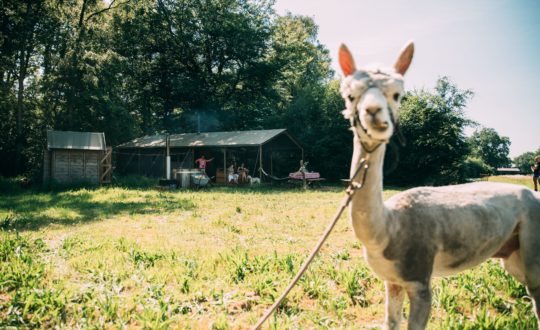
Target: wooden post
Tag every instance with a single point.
(303, 171)
(271, 162)
(168, 159)
(260, 161)
(225, 178)
(84, 166)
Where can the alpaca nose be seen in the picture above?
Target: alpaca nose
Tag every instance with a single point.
(373, 110)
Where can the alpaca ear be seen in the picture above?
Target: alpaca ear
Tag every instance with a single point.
(404, 59)
(346, 60)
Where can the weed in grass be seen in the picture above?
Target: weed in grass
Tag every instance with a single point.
(30, 303)
(314, 285)
(69, 245)
(221, 323)
(230, 227)
(18, 268)
(265, 287)
(287, 308)
(501, 306)
(339, 304)
(13, 222)
(217, 296)
(342, 255)
(353, 287)
(289, 262)
(324, 322)
(239, 265)
(284, 322)
(483, 319)
(144, 259)
(184, 309)
(122, 245)
(444, 297)
(192, 268)
(184, 288)
(240, 268)
(108, 305)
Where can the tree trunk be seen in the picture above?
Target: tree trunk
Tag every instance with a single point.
(24, 59)
(20, 110)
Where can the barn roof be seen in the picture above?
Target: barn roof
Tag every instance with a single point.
(209, 139)
(76, 140)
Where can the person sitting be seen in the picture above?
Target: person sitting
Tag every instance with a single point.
(232, 177)
(242, 174)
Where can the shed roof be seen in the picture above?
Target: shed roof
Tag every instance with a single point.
(508, 169)
(209, 139)
(76, 140)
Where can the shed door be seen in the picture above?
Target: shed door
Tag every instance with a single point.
(76, 169)
(91, 173)
(60, 171)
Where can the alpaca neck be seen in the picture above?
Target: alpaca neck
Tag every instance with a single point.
(367, 205)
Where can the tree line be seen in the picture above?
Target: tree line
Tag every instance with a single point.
(130, 68)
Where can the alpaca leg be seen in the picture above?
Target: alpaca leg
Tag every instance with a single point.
(530, 246)
(514, 266)
(420, 299)
(535, 294)
(394, 306)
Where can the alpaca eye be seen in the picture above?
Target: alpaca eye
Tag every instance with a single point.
(396, 97)
(350, 98)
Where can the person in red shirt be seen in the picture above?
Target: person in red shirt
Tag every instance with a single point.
(202, 163)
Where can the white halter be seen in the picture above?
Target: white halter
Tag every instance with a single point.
(372, 79)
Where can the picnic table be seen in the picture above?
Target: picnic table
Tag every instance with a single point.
(311, 178)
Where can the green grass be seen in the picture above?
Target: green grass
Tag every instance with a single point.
(212, 259)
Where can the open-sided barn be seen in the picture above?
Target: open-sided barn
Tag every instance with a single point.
(275, 150)
(77, 157)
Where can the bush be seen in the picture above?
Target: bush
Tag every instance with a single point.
(8, 185)
(475, 167)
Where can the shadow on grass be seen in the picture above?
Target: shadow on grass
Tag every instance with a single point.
(33, 210)
(267, 188)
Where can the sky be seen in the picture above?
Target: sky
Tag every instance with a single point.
(489, 46)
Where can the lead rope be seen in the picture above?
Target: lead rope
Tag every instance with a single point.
(349, 192)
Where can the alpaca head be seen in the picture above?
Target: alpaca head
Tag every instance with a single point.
(373, 95)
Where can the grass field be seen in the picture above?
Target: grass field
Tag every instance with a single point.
(211, 259)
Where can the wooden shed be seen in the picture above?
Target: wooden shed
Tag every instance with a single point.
(77, 157)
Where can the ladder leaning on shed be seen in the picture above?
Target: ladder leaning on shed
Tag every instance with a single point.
(106, 167)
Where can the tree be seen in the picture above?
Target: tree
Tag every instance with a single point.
(433, 125)
(20, 27)
(309, 103)
(189, 58)
(492, 149)
(525, 160)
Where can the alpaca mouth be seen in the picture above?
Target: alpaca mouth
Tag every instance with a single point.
(373, 130)
(380, 127)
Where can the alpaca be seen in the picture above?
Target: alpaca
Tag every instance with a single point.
(428, 231)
